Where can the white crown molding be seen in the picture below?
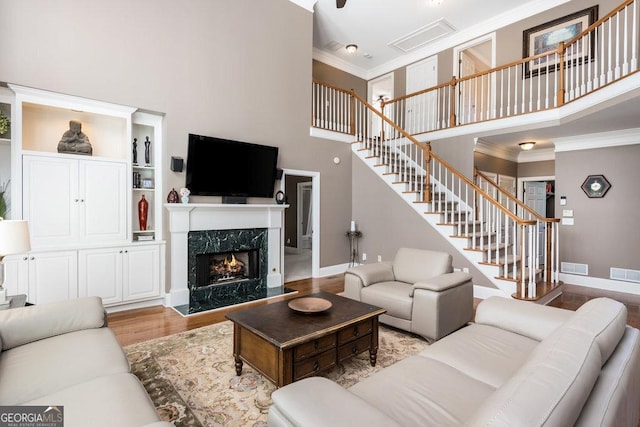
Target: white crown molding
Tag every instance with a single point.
(305, 4)
(501, 152)
(517, 14)
(598, 140)
(536, 155)
(340, 64)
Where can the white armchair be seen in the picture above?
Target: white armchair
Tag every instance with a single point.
(419, 290)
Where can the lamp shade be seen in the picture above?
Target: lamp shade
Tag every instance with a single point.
(14, 237)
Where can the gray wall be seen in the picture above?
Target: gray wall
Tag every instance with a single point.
(541, 168)
(606, 232)
(227, 68)
(487, 163)
(335, 77)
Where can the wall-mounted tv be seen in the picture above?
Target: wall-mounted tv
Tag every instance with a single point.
(223, 167)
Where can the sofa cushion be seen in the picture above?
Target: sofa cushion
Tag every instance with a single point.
(487, 354)
(46, 366)
(603, 317)
(418, 391)
(392, 296)
(372, 273)
(113, 400)
(415, 265)
(521, 317)
(550, 388)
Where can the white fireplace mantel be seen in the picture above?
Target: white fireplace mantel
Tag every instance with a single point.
(207, 216)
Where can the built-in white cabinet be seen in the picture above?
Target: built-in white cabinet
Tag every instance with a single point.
(86, 235)
(120, 274)
(43, 276)
(69, 201)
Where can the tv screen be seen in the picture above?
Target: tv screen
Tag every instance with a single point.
(222, 167)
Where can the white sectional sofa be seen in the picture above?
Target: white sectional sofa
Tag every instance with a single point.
(519, 364)
(62, 354)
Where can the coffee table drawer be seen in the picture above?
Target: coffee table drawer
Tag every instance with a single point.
(348, 350)
(315, 364)
(353, 332)
(314, 347)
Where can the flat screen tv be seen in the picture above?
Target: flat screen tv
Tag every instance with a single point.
(222, 167)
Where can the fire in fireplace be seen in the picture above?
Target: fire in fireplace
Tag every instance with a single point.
(225, 267)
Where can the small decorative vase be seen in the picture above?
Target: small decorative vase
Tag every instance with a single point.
(173, 196)
(143, 212)
(185, 199)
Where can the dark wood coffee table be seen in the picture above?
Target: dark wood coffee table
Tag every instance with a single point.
(286, 346)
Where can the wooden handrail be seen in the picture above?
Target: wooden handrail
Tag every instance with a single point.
(516, 200)
(480, 191)
(598, 22)
(339, 89)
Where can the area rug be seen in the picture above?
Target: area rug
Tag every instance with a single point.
(191, 377)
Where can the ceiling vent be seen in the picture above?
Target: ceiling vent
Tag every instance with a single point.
(423, 36)
(333, 45)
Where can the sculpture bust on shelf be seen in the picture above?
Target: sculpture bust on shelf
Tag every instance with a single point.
(74, 140)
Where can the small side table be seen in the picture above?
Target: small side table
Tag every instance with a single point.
(354, 256)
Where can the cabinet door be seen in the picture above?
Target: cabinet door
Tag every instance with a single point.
(141, 272)
(100, 274)
(50, 200)
(103, 201)
(53, 276)
(16, 274)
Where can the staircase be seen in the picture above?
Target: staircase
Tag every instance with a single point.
(515, 248)
(499, 243)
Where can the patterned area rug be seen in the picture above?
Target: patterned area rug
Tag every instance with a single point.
(192, 381)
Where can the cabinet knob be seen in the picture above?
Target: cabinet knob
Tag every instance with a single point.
(316, 366)
(81, 200)
(25, 258)
(356, 331)
(76, 200)
(32, 258)
(126, 252)
(120, 251)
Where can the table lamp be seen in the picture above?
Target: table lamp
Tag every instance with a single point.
(14, 239)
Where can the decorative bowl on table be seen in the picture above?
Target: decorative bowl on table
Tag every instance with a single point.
(310, 305)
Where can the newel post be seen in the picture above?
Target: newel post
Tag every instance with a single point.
(561, 63)
(427, 176)
(452, 112)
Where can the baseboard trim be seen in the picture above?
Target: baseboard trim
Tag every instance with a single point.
(600, 283)
(333, 269)
(139, 304)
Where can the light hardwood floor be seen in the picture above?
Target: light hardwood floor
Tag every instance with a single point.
(143, 324)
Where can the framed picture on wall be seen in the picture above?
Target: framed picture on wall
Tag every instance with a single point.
(546, 37)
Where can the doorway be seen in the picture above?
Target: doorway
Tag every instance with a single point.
(538, 193)
(380, 89)
(301, 251)
(475, 97)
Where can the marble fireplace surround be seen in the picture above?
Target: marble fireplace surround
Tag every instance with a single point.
(184, 218)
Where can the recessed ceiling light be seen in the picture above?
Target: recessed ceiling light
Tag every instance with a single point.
(352, 48)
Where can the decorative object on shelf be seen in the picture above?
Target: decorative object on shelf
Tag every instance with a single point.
(4, 123)
(595, 186)
(147, 152)
(353, 236)
(546, 38)
(143, 212)
(14, 239)
(4, 207)
(75, 141)
(147, 183)
(184, 193)
(281, 198)
(310, 305)
(135, 152)
(173, 196)
(136, 180)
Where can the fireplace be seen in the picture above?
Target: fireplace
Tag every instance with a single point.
(225, 267)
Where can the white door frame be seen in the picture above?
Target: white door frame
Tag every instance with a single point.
(531, 178)
(300, 232)
(315, 216)
(387, 81)
(456, 57)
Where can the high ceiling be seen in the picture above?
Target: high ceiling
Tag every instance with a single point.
(390, 34)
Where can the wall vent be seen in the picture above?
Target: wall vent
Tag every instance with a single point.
(625, 274)
(574, 268)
